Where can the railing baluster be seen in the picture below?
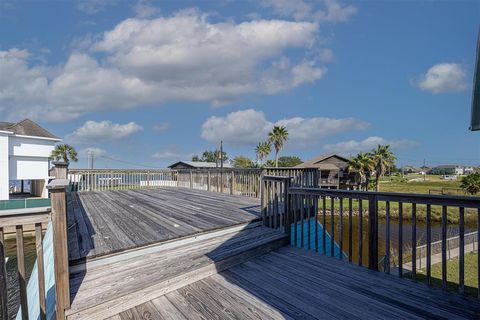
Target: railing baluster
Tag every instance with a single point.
(332, 226)
(324, 224)
(444, 247)
(295, 219)
(310, 207)
(315, 203)
(387, 237)
(302, 220)
(360, 232)
(275, 204)
(3, 278)
(40, 270)
(414, 241)
(350, 229)
(22, 275)
(461, 282)
(429, 243)
(340, 256)
(400, 239)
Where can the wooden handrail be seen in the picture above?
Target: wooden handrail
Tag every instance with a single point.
(303, 214)
(58, 190)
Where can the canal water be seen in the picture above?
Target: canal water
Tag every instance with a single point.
(452, 230)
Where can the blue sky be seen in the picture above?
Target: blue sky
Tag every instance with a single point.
(152, 82)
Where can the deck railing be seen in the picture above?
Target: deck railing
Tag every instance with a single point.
(34, 295)
(244, 182)
(314, 214)
(120, 179)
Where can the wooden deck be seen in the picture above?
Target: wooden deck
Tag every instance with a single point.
(105, 222)
(291, 283)
(125, 280)
(174, 253)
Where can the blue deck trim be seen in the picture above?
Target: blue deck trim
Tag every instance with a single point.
(309, 225)
(32, 287)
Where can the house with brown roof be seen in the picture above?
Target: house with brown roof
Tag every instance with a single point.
(333, 171)
(25, 148)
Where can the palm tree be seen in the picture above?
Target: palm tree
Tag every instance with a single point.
(278, 136)
(355, 166)
(262, 150)
(64, 152)
(362, 165)
(368, 166)
(471, 183)
(383, 158)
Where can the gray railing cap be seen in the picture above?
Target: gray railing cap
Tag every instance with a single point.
(58, 184)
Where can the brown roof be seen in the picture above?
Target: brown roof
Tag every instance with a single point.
(315, 161)
(27, 128)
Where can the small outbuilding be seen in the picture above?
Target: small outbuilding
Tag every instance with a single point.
(197, 165)
(333, 171)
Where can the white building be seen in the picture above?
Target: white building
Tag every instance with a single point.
(25, 148)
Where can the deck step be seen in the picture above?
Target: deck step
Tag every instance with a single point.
(106, 287)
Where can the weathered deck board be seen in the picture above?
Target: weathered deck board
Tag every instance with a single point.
(291, 283)
(129, 278)
(105, 222)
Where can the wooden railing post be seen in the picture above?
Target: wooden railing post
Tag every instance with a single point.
(191, 179)
(286, 206)
(59, 223)
(61, 169)
(209, 181)
(232, 184)
(372, 232)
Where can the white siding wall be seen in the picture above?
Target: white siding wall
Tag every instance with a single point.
(4, 166)
(28, 168)
(30, 147)
(29, 158)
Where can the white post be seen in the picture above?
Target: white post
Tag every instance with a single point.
(4, 166)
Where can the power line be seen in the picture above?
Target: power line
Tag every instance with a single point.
(128, 162)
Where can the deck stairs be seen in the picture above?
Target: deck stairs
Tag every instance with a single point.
(106, 286)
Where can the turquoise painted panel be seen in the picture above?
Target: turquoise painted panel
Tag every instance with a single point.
(24, 203)
(32, 287)
(309, 227)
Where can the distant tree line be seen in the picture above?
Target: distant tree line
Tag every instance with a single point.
(276, 139)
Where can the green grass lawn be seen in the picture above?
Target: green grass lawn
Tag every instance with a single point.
(471, 281)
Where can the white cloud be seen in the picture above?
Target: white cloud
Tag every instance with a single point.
(307, 131)
(248, 127)
(161, 126)
(242, 127)
(326, 55)
(330, 11)
(94, 6)
(183, 57)
(443, 78)
(354, 146)
(94, 132)
(170, 153)
(143, 9)
(98, 152)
